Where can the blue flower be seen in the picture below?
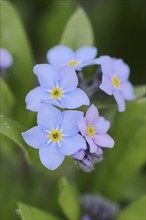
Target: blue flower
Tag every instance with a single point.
(115, 80)
(57, 87)
(63, 55)
(56, 135)
(6, 59)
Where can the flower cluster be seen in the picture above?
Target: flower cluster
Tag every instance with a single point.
(70, 132)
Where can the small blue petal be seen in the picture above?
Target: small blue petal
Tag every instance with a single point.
(35, 98)
(120, 101)
(68, 79)
(50, 156)
(46, 75)
(122, 70)
(102, 125)
(85, 53)
(127, 91)
(60, 55)
(69, 125)
(106, 85)
(75, 99)
(70, 145)
(49, 117)
(35, 137)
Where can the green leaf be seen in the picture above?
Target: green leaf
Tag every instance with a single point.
(12, 130)
(140, 91)
(51, 26)
(13, 38)
(78, 31)
(30, 213)
(135, 211)
(127, 157)
(7, 98)
(68, 200)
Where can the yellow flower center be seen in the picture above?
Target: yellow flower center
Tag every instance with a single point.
(90, 130)
(56, 93)
(73, 63)
(55, 135)
(116, 82)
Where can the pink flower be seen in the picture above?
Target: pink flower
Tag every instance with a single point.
(94, 128)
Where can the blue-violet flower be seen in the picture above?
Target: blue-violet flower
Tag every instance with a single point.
(94, 128)
(57, 87)
(56, 135)
(63, 55)
(115, 74)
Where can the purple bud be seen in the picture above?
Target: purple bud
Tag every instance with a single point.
(99, 151)
(79, 155)
(6, 59)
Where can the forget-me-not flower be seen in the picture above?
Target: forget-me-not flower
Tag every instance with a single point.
(56, 135)
(115, 74)
(94, 128)
(6, 59)
(57, 87)
(62, 55)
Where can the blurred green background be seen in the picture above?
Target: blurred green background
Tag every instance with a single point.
(119, 29)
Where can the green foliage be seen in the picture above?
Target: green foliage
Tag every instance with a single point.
(14, 39)
(7, 98)
(50, 27)
(68, 200)
(30, 213)
(140, 91)
(78, 31)
(127, 157)
(12, 130)
(135, 211)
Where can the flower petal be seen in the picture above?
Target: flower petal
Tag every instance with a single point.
(35, 98)
(102, 125)
(68, 79)
(75, 99)
(93, 146)
(127, 91)
(120, 101)
(35, 137)
(104, 140)
(46, 75)
(79, 155)
(85, 53)
(60, 55)
(50, 156)
(70, 145)
(106, 85)
(122, 70)
(82, 126)
(107, 65)
(70, 119)
(92, 114)
(49, 117)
